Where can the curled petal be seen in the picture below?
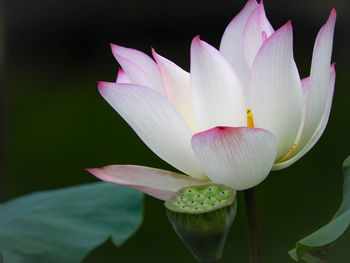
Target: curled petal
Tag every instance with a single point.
(256, 31)
(238, 157)
(216, 90)
(318, 87)
(231, 45)
(156, 122)
(275, 94)
(139, 67)
(158, 183)
(319, 131)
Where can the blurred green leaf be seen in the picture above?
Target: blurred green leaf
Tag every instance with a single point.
(315, 248)
(64, 225)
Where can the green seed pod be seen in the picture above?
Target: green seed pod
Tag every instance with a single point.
(202, 216)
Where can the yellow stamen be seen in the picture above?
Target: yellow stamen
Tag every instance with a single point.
(250, 120)
(291, 149)
(250, 124)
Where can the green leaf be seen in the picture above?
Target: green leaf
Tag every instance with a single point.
(64, 225)
(315, 248)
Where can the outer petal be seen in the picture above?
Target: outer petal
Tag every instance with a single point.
(156, 122)
(318, 88)
(319, 131)
(231, 45)
(256, 31)
(158, 183)
(275, 93)
(239, 157)
(139, 67)
(216, 90)
(122, 77)
(177, 85)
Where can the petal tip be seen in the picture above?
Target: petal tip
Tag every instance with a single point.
(113, 46)
(116, 49)
(197, 39)
(155, 54)
(90, 170)
(333, 13)
(103, 85)
(287, 27)
(333, 67)
(94, 171)
(332, 17)
(100, 85)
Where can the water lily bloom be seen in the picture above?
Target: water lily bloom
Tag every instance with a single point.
(240, 112)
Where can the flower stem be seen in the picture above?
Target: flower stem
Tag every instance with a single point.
(254, 239)
(3, 94)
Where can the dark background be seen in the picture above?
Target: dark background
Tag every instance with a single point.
(54, 123)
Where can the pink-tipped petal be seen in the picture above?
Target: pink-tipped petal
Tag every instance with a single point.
(156, 122)
(139, 67)
(256, 31)
(122, 77)
(158, 183)
(106, 85)
(177, 85)
(216, 90)
(231, 45)
(319, 131)
(275, 94)
(318, 88)
(239, 157)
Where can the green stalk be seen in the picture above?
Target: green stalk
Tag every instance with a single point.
(254, 239)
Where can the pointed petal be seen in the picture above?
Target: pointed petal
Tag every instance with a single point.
(275, 93)
(177, 85)
(158, 183)
(216, 90)
(319, 131)
(318, 88)
(139, 67)
(156, 122)
(256, 31)
(239, 157)
(231, 45)
(122, 77)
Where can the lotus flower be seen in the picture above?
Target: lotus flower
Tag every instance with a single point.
(240, 112)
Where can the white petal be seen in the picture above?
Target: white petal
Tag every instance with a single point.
(275, 93)
(231, 45)
(158, 183)
(256, 31)
(238, 157)
(216, 91)
(156, 122)
(319, 131)
(177, 85)
(122, 77)
(318, 88)
(139, 67)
